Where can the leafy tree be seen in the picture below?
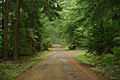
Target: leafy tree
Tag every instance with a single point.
(25, 25)
(96, 28)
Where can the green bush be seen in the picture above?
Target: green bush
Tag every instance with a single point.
(46, 43)
(72, 47)
(108, 65)
(10, 69)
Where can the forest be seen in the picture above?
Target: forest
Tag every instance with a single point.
(29, 27)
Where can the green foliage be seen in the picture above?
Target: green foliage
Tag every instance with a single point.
(32, 25)
(108, 65)
(94, 25)
(9, 69)
(83, 57)
(46, 43)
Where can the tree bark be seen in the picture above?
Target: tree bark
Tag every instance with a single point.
(5, 28)
(16, 31)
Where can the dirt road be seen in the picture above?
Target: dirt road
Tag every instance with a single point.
(58, 65)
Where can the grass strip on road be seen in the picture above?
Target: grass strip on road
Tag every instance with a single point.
(83, 57)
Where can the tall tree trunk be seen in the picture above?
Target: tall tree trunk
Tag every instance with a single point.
(16, 31)
(5, 28)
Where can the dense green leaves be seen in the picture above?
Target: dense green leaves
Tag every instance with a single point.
(33, 33)
(95, 25)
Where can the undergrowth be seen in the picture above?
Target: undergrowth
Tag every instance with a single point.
(83, 57)
(11, 69)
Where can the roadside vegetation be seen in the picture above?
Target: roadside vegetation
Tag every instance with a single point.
(83, 57)
(25, 31)
(95, 25)
(9, 70)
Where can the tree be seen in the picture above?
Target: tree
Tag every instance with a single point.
(27, 35)
(16, 31)
(5, 29)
